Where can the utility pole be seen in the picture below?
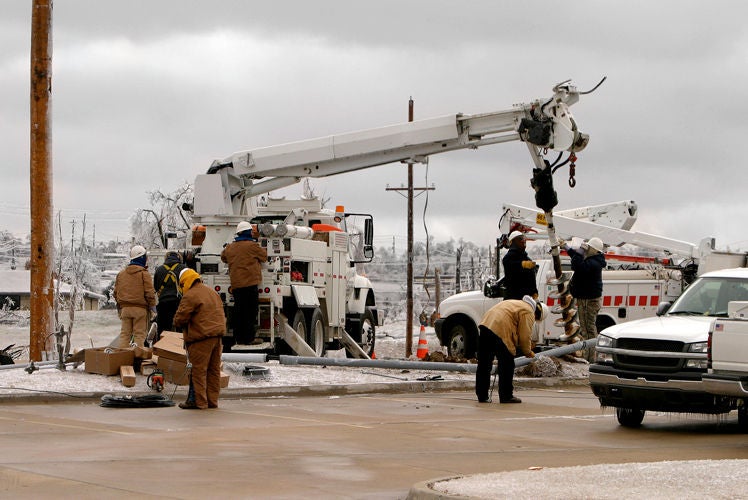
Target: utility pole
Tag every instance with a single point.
(42, 246)
(409, 288)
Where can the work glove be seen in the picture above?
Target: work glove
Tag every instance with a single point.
(528, 264)
(562, 243)
(530, 354)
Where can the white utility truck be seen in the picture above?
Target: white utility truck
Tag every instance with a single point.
(312, 298)
(659, 363)
(627, 294)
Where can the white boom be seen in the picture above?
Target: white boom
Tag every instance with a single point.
(612, 224)
(542, 124)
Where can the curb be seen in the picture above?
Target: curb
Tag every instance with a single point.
(412, 387)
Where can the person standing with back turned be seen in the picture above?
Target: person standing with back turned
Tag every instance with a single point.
(135, 297)
(245, 258)
(519, 269)
(165, 283)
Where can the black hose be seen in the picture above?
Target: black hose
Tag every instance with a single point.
(145, 401)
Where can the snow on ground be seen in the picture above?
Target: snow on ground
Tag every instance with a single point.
(691, 479)
(99, 328)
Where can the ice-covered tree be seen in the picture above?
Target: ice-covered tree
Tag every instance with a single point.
(152, 226)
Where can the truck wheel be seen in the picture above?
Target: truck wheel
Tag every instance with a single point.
(299, 323)
(461, 342)
(743, 418)
(629, 417)
(368, 332)
(316, 336)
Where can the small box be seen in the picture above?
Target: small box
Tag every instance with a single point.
(170, 346)
(147, 367)
(224, 380)
(174, 371)
(107, 360)
(127, 375)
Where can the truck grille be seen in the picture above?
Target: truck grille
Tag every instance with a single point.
(632, 362)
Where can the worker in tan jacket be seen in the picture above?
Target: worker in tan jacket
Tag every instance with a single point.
(245, 258)
(135, 297)
(200, 317)
(504, 332)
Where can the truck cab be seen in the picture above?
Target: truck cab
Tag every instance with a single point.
(658, 363)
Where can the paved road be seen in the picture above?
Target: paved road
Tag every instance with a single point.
(356, 446)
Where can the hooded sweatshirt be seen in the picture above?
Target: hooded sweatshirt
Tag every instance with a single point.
(134, 288)
(200, 312)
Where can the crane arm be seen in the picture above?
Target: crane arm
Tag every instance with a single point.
(545, 123)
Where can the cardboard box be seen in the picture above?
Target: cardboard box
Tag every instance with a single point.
(143, 352)
(107, 360)
(170, 346)
(175, 371)
(127, 376)
(224, 380)
(147, 367)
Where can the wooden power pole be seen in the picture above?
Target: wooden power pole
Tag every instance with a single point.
(409, 287)
(42, 235)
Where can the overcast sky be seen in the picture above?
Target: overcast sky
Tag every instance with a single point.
(147, 94)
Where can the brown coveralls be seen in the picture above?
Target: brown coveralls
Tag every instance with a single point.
(200, 315)
(134, 294)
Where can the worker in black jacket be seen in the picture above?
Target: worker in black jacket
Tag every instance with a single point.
(519, 269)
(165, 282)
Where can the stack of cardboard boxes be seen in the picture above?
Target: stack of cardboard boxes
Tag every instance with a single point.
(167, 355)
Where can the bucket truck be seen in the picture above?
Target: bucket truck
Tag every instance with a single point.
(627, 294)
(312, 298)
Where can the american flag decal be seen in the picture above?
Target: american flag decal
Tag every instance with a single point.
(718, 327)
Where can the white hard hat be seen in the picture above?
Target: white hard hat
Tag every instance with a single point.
(514, 234)
(243, 226)
(596, 244)
(136, 251)
(543, 311)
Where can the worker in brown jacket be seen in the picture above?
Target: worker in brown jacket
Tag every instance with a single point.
(135, 297)
(506, 328)
(245, 258)
(201, 319)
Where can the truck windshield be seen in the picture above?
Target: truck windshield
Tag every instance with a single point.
(709, 296)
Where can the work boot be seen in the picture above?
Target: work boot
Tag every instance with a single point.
(514, 399)
(484, 400)
(188, 405)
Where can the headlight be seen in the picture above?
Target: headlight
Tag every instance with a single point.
(698, 347)
(604, 341)
(701, 364)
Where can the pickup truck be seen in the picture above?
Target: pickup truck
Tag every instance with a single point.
(663, 363)
(627, 295)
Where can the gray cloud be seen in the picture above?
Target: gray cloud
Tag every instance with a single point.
(147, 94)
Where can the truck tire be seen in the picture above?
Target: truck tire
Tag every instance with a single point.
(299, 324)
(630, 417)
(462, 341)
(368, 332)
(317, 329)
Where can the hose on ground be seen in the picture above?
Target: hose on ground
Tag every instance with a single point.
(145, 401)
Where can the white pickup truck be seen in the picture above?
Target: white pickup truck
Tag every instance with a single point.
(663, 363)
(627, 295)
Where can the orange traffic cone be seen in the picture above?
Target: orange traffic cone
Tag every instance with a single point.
(423, 345)
(373, 355)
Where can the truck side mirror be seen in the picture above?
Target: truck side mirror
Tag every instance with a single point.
(663, 308)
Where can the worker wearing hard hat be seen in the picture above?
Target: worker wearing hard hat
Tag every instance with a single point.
(245, 258)
(519, 269)
(586, 286)
(505, 329)
(135, 298)
(200, 316)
